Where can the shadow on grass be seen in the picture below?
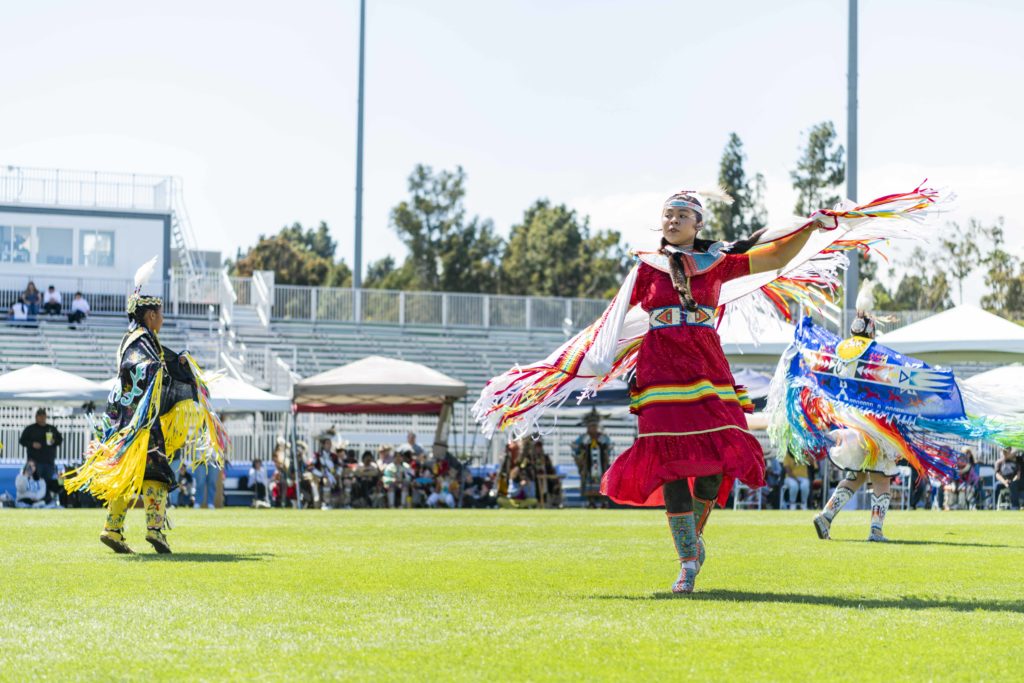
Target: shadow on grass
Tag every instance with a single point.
(949, 543)
(202, 557)
(719, 595)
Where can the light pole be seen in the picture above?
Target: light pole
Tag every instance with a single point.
(852, 279)
(357, 266)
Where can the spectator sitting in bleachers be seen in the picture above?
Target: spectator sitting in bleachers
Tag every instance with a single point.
(258, 484)
(79, 310)
(19, 311)
(962, 490)
(30, 489)
(52, 301)
(32, 298)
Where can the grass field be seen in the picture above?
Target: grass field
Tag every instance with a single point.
(516, 595)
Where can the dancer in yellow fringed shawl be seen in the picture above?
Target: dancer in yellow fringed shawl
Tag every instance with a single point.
(159, 408)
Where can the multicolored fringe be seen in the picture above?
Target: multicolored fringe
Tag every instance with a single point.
(518, 398)
(801, 420)
(607, 349)
(813, 278)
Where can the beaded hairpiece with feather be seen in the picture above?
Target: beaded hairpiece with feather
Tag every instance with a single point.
(142, 276)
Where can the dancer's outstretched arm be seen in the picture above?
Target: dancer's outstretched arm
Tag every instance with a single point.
(774, 255)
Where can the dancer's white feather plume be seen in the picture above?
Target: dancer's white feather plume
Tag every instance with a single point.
(145, 272)
(866, 296)
(717, 194)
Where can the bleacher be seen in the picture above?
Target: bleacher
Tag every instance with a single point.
(89, 349)
(467, 354)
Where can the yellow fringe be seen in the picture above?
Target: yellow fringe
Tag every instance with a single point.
(108, 480)
(190, 433)
(190, 430)
(181, 425)
(108, 476)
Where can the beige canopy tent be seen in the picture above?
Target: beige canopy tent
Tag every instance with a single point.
(377, 385)
(382, 385)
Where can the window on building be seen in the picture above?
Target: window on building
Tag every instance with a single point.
(15, 244)
(56, 246)
(96, 248)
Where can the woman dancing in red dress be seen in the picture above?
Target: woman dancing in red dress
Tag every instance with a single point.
(693, 439)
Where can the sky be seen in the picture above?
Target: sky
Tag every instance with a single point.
(607, 107)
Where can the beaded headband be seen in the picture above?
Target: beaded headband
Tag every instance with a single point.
(680, 201)
(136, 301)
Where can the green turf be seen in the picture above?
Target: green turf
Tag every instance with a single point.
(511, 595)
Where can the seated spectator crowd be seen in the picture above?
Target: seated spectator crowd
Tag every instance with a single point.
(31, 303)
(335, 477)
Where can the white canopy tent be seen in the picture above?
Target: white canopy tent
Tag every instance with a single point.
(41, 384)
(961, 334)
(762, 345)
(230, 395)
(999, 386)
(756, 383)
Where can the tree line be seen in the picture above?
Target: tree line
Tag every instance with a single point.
(554, 251)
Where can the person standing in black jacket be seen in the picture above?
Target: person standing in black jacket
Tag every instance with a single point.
(41, 441)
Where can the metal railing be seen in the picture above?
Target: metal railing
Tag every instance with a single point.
(262, 295)
(243, 290)
(197, 292)
(227, 298)
(279, 374)
(444, 309)
(367, 306)
(94, 189)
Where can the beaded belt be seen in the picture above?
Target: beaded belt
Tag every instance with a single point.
(674, 316)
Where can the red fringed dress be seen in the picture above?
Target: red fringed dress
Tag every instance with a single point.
(690, 412)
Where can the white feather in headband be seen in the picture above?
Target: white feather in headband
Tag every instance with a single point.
(142, 276)
(716, 194)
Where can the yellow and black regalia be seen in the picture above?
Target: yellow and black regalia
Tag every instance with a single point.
(158, 410)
